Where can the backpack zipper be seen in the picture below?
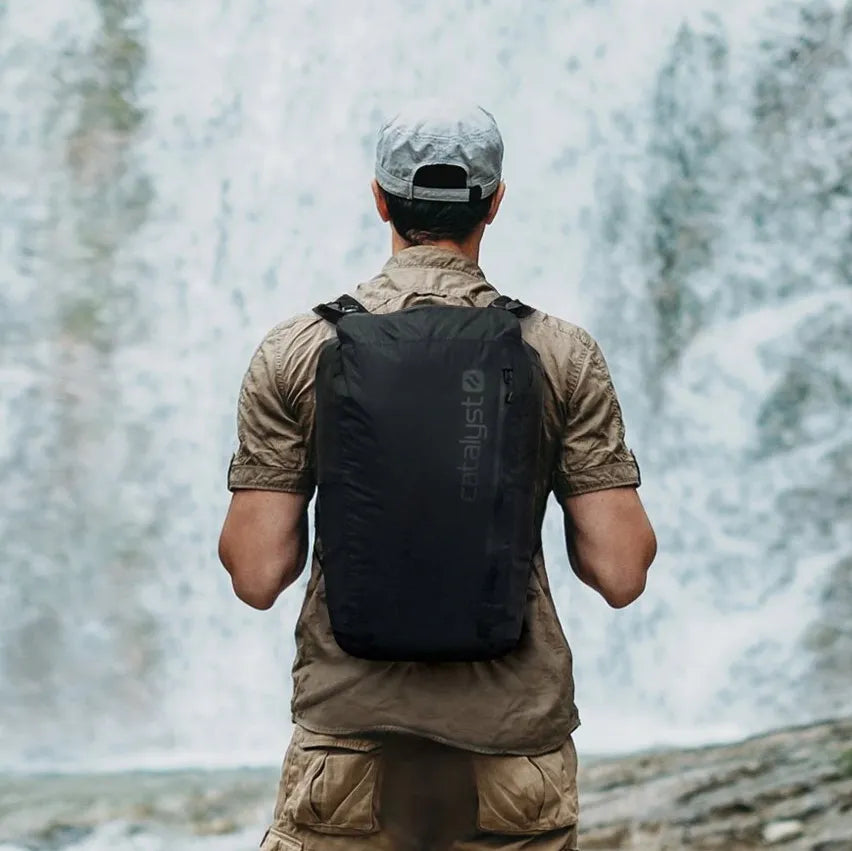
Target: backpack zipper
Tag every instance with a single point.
(504, 399)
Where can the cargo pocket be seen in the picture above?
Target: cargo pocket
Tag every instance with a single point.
(275, 841)
(527, 794)
(338, 790)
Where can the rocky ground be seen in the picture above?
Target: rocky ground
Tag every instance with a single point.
(790, 790)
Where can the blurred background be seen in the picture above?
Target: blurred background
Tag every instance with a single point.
(177, 177)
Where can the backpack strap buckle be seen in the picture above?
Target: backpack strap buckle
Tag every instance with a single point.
(518, 308)
(335, 310)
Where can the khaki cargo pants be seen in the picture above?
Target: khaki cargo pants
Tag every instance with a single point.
(400, 793)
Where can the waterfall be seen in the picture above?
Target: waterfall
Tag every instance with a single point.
(178, 177)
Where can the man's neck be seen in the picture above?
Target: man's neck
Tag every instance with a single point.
(469, 248)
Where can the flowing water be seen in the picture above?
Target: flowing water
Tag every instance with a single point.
(177, 177)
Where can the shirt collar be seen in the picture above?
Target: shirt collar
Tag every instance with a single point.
(430, 257)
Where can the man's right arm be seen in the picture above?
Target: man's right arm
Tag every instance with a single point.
(611, 543)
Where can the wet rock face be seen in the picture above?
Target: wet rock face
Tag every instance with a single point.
(727, 322)
(790, 790)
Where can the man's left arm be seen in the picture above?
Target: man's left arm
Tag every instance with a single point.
(264, 543)
(264, 540)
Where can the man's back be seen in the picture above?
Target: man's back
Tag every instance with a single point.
(522, 702)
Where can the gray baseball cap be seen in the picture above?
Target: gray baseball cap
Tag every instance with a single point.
(436, 132)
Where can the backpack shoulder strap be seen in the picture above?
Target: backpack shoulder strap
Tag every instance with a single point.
(519, 309)
(335, 310)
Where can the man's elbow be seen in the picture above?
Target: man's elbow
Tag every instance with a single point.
(627, 592)
(629, 584)
(254, 595)
(260, 587)
(256, 588)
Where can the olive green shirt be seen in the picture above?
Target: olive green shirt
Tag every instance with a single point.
(523, 702)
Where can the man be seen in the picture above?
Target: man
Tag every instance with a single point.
(433, 755)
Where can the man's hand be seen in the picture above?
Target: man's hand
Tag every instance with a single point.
(610, 542)
(264, 543)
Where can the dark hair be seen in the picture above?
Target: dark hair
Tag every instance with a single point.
(420, 222)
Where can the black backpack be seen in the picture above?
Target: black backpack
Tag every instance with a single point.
(428, 424)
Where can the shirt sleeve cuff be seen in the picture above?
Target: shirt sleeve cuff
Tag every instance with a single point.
(256, 477)
(619, 475)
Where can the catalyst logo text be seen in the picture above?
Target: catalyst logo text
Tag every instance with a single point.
(474, 432)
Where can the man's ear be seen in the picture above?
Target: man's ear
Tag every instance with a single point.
(496, 200)
(381, 204)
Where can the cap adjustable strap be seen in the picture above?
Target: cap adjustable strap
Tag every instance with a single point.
(335, 310)
(518, 308)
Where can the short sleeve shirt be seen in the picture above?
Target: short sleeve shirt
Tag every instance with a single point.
(275, 412)
(275, 417)
(523, 702)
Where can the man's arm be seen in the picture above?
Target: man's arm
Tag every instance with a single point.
(611, 543)
(264, 539)
(264, 543)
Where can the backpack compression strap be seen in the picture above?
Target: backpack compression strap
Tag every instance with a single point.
(335, 310)
(519, 309)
